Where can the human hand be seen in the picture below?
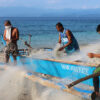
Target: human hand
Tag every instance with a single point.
(91, 55)
(9, 41)
(61, 49)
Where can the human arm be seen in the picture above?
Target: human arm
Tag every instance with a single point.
(59, 39)
(93, 55)
(16, 35)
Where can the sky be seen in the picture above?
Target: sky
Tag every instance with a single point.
(49, 5)
(52, 4)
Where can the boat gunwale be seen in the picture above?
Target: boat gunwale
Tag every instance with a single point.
(70, 62)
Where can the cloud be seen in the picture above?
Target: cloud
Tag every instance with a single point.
(88, 7)
(53, 1)
(5, 3)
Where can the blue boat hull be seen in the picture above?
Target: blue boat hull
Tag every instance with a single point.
(59, 69)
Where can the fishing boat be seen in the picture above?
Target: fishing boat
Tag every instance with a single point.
(58, 74)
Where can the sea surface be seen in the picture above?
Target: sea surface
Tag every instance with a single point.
(44, 33)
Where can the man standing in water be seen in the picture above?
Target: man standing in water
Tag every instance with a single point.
(68, 40)
(11, 36)
(95, 79)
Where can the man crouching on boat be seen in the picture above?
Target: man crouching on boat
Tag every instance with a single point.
(11, 36)
(95, 79)
(67, 39)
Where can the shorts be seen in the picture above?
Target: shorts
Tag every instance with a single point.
(11, 48)
(96, 80)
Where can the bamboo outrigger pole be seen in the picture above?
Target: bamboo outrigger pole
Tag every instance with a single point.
(83, 79)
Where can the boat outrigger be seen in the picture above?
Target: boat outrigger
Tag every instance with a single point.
(58, 74)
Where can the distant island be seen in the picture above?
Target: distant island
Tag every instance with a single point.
(33, 12)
